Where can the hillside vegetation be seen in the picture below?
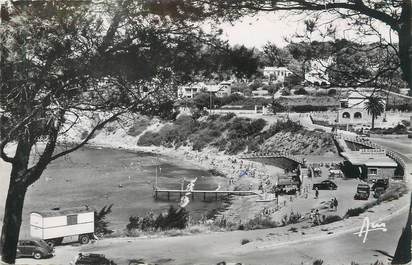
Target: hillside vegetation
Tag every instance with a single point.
(234, 135)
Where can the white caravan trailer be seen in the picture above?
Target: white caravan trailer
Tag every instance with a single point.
(52, 226)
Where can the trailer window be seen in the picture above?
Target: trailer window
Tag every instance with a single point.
(72, 219)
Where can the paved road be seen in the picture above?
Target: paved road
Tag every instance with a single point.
(334, 249)
(211, 248)
(339, 250)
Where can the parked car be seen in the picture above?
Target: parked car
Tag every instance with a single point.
(378, 192)
(384, 183)
(362, 192)
(325, 185)
(37, 249)
(92, 259)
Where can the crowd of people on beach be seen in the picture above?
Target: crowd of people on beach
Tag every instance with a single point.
(235, 169)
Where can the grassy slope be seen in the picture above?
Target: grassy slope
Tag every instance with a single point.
(234, 135)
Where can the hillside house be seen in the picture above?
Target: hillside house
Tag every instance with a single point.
(223, 89)
(276, 74)
(352, 108)
(190, 90)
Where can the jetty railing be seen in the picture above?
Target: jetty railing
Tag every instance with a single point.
(170, 192)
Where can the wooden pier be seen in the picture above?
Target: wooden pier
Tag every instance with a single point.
(157, 191)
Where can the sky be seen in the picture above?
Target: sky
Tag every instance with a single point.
(269, 27)
(274, 27)
(257, 31)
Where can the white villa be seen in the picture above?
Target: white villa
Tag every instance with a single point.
(352, 107)
(276, 74)
(190, 90)
(222, 89)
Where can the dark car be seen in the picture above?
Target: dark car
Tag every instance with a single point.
(325, 185)
(378, 192)
(383, 183)
(92, 259)
(362, 192)
(37, 249)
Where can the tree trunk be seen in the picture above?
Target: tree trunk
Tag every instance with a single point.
(405, 43)
(12, 221)
(373, 121)
(15, 200)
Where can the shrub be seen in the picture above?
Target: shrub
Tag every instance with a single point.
(285, 92)
(293, 218)
(150, 138)
(398, 129)
(199, 113)
(256, 126)
(301, 91)
(227, 117)
(308, 108)
(100, 223)
(331, 219)
(215, 172)
(282, 126)
(318, 262)
(174, 218)
(250, 103)
(221, 143)
(139, 125)
(332, 92)
(355, 211)
(236, 145)
(276, 107)
(201, 139)
(394, 191)
(253, 145)
(259, 222)
(245, 241)
(134, 223)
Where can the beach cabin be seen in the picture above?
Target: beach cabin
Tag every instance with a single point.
(53, 225)
(371, 164)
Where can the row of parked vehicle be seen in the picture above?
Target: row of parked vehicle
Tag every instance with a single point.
(39, 249)
(363, 190)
